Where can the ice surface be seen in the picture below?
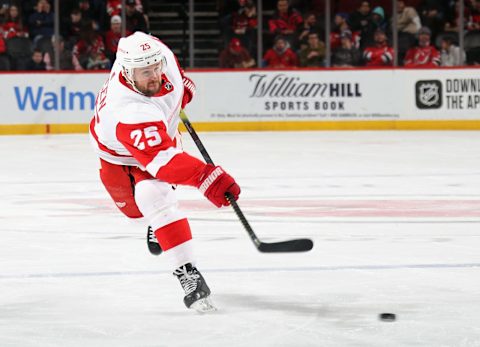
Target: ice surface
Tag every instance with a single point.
(395, 217)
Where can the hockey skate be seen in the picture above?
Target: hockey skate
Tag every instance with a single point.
(196, 290)
(152, 242)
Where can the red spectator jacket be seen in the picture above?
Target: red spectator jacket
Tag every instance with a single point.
(3, 46)
(422, 56)
(378, 56)
(111, 40)
(287, 59)
(94, 48)
(242, 22)
(291, 20)
(114, 7)
(12, 29)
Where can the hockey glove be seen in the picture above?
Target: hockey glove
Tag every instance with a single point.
(215, 183)
(188, 90)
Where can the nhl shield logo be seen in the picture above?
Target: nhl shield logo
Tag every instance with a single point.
(428, 94)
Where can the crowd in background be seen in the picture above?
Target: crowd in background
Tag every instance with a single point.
(89, 33)
(361, 33)
(293, 33)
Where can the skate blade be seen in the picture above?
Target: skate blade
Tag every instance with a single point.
(203, 305)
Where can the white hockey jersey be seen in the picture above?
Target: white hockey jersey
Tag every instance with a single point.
(129, 128)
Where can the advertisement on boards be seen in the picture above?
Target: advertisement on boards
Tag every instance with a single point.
(295, 95)
(264, 96)
(49, 98)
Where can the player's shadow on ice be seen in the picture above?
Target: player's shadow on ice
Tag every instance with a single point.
(229, 302)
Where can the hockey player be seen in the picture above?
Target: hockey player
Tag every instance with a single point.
(134, 131)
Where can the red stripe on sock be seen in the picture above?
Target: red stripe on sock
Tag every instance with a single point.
(173, 234)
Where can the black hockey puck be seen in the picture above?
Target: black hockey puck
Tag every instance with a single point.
(387, 317)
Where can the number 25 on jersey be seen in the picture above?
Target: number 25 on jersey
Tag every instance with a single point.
(149, 134)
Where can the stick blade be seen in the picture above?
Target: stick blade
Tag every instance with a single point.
(299, 245)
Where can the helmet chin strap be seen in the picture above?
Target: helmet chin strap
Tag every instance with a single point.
(130, 81)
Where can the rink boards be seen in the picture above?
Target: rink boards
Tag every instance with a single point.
(250, 100)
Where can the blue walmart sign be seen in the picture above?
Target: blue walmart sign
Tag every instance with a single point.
(39, 99)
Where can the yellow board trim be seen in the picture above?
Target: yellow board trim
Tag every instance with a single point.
(340, 125)
(29, 129)
(35, 129)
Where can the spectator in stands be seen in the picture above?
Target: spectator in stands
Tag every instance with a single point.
(453, 18)
(245, 17)
(135, 19)
(72, 27)
(378, 18)
(380, 54)
(308, 27)
(347, 55)
(113, 36)
(408, 20)
(377, 22)
(87, 11)
(280, 55)
(340, 25)
(226, 9)
(36, 62)
(90, 50)
(314, 54)
(432, 15)
(13, 25)
(67, 60)
(244, 24)
(114, 7)
(360, 20)
(41, 21)
(471, 15)
(451, 54)
(473, 19)
(424, 55)
(92, 11)
(236, 56)
(4, 6)
(285, 21)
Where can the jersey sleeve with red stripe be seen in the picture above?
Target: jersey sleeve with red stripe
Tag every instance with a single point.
(151, 146)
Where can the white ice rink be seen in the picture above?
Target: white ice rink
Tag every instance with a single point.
(395, 217)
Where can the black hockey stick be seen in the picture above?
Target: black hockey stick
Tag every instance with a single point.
(297, 245)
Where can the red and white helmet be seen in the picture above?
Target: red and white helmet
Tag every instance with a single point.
(139, 50)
